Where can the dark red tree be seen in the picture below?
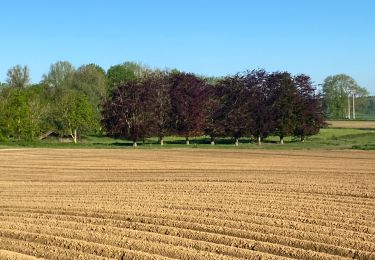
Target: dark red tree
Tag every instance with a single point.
(127, 113)
(260, 104)
(283, 94)
(309, 110)
(214, 116)
(189, 95)
(233, 113)
(159, 90)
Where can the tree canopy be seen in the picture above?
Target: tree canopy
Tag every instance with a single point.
(337, 90)
(60, 75)
(132, 101)
(18, 76)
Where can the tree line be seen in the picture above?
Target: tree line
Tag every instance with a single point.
(340, 95)
(135, 102)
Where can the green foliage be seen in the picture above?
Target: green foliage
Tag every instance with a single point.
(74, 115)
(364, 147)
(23, 113)
(254, 105)
(39, 106)
(90, 80)
(18, 76)
(337, 90)
(121, 73)
(3, 86)
(14, 117)
(366, 107)
(60, 75)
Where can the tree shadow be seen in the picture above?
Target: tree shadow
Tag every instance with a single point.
(118, 144)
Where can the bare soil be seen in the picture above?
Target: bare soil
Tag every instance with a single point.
(186, 204)
(352, 124)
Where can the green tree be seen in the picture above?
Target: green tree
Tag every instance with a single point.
(358, 92)
(24, 113)
(117, 75)
(91, 81)
(366, 106)
(14, 114)
(60, 75)
(74, 114)
(39, 110)
(339, 92)
(18, 76)
(3, 118)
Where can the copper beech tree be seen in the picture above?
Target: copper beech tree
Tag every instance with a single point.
(160, 105)
(259, 104)
(189, 96)
(309, 109)
(252, 104)
(233, 99)
(127, 112)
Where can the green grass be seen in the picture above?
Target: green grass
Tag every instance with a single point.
(329, 138)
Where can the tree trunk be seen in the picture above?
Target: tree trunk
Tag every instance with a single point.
(281, 139)
(187, 140)
(212, 140)
(75, 136)
(161, 140)
(353, 108)
(236, 143)
(259, 140)
(348, 106)
(135, 144)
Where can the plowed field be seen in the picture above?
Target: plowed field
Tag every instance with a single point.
(352, 124)
(186, 204)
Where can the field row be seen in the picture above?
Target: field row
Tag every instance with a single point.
(228, 213)
(229, 233)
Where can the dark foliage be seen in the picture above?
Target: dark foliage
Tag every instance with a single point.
(214, 114)
(309, 111)
(283, 94)
(160, 106)
(189, 96)
(233, 111)
(260, 104)
(127, 113)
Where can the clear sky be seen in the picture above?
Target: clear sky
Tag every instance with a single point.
(209, 37)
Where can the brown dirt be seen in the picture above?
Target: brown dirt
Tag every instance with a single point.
(186, 204)
(352, 124)
(9, 255)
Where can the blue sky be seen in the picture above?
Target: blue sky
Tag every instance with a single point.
(211, 37)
